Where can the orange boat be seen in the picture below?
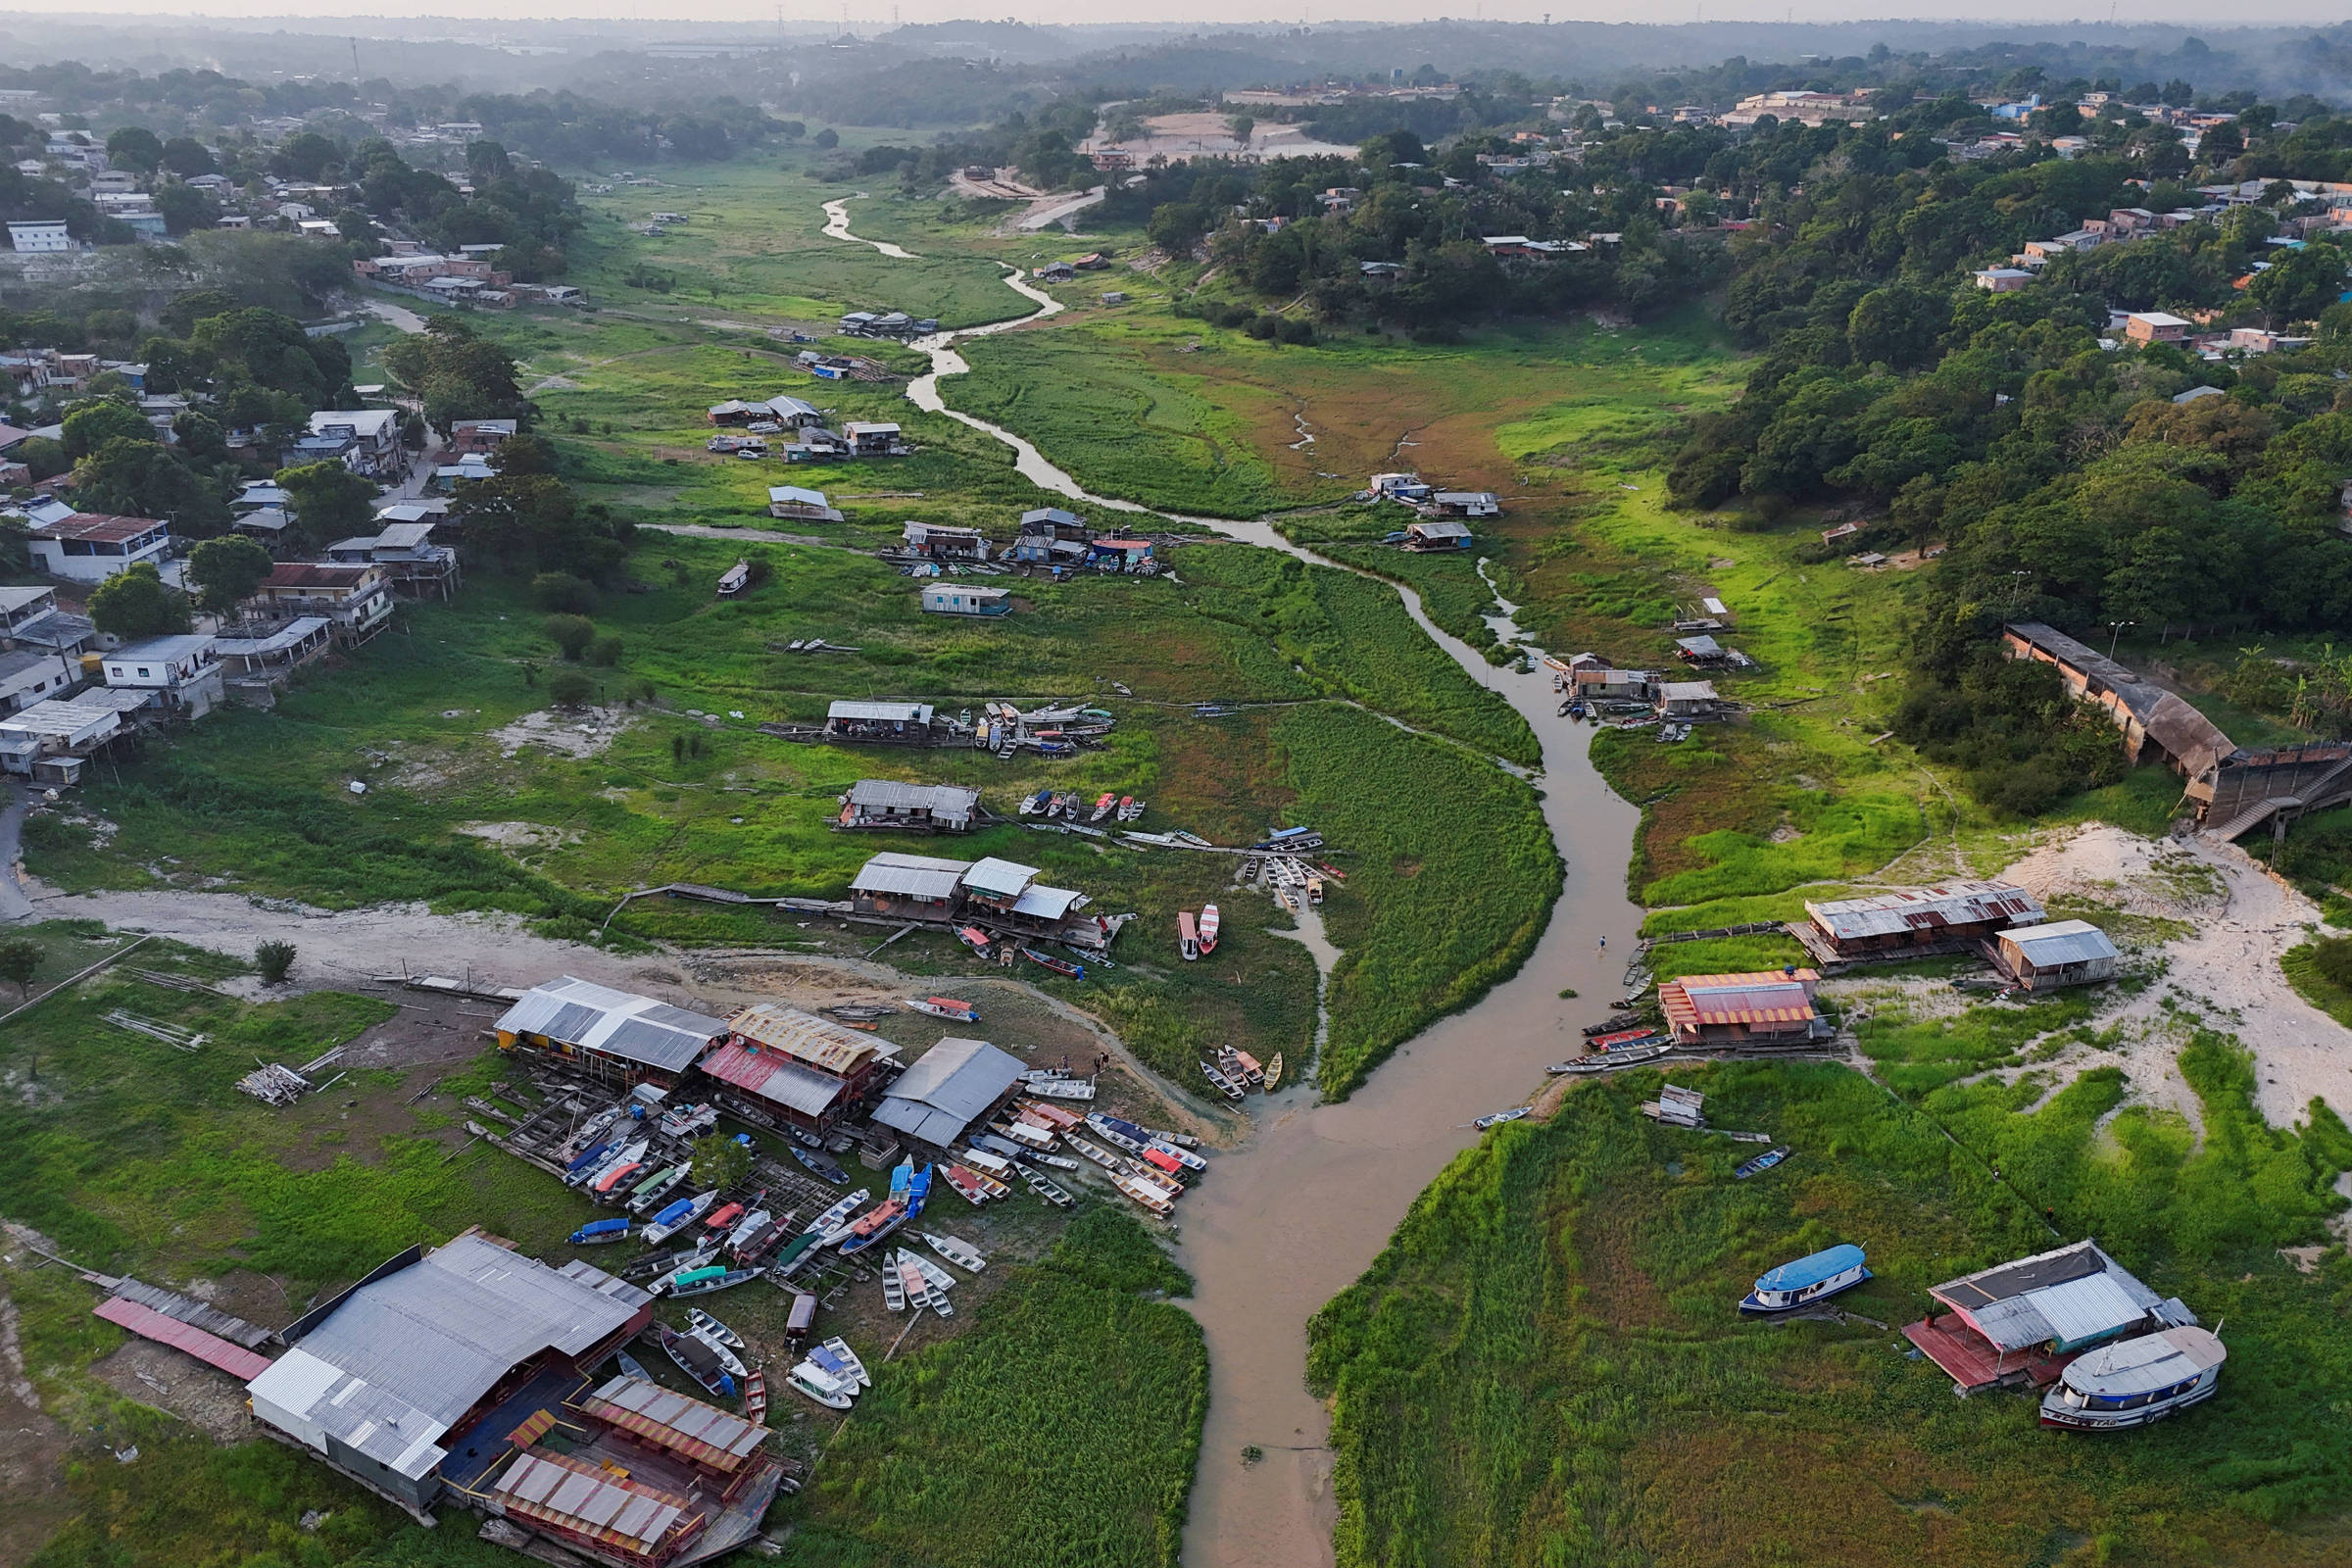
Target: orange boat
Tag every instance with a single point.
(1188, 935)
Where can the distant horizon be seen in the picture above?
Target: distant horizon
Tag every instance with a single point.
(869, 16)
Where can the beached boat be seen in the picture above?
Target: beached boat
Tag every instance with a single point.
(1496, 1118)
(1249, 1071)
(754, 1398)
(748, 1227)
(1119, 1132)
(847, 1358)
(1609, 1060)
(962, 1253)
(1058, 1118)
(1177, 1152)
(696, 1359)
(987, 1161)
(966, 1185)
(1149, 1197)
(1188, 935)
(813, 1381)
(703, 1281)
(835, 1368)
(900, 1175)
(869, 1228)
(1274, 1072)
(838, 1215)
(2130, 1383)
(972, 937)
(1224, 1085)
(817, 1165)
(1161, 1158)
(723, 1218)
(1045, 1189)
(910, 1280)
(585, 1164)
(631, 1365)
(938, 1278)
(1026, 1133)
(599, 1231)
(945, 1008)
(677, 1216)
(1057, 1161)
(1004, 1148)
(688, 1121)
(1080, 1088)
(1209, 921)
(726, 1354)
(1095, 1151)
(796, 1251)
(1609, 1026)
(653, 1189)
(1762, 1162)
(1130, 808)
(894, 1290)
(1104, 805)
(918, 1192)
(1810, 1279)
(615, 1182)
(1047, 960)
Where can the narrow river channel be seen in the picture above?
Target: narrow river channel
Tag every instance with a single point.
(1292, 1217)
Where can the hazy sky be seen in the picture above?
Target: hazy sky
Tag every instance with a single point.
(867, 15)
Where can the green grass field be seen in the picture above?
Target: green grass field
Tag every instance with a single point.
(1545, 1365)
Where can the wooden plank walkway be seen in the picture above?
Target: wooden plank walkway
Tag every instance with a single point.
(194, 1313)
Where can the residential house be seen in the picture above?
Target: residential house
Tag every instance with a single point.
(177, 674)
(89, 547)
(893, 723)
(872, 439)
(375, 450)
(794, 502)
(29, 675)
(1000, 894)
(1689, 700)
(785, 1067)
(919, 887)
(1054, 273)
(1589, 677)
(1466, 503)
(405, 552)
(617, 1036)
(483, 437)
(355, 597)
(2021, 1322)
(2003, 279)
(939, 542)
(2063, 953)
(39, 239)
(261, 656)
(472, 467)
(959, 598)
(1913, 922)
(48, 742)
(1055, 522)
(877, 803)
(1702, 652)
(2155, 326)
(1438, 534)
(955, 1084)
(1774, 1008)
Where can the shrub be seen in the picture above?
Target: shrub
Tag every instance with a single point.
(570, 688)
(605, 650)
(563, 593)
(2331, 957)
(571, 634)
(275, 962)
(20, 961)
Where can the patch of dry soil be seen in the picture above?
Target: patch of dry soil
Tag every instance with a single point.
(584, 732)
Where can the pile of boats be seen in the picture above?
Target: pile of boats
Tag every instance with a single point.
(1197, 938)
(1069, 806)
(909, 1279)
(1619, 1042)
(1146, 1165)
(1236, 1072)
(1296, 883)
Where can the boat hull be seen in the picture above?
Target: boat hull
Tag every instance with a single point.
(2120, 1420)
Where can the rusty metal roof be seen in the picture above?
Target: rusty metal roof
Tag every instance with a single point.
(1772, 997)
(1900, 909)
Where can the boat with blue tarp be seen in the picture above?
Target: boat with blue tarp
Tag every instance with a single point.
(1806, 1281)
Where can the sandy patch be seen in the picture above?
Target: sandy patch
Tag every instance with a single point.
(2226, 967)
(522, 835)
(580, 732)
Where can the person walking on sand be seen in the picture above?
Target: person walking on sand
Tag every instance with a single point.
(1604, 945)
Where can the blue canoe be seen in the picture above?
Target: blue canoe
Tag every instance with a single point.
(1811, 1279)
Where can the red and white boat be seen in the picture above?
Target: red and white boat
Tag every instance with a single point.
(754, 1398)
(1208, 929)
(945, 1008)
(1188, 935)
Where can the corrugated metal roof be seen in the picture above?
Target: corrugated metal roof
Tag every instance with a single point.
(2060, 942)
(1725, 998)
(773, 1076)
(2171, 722)
(575, 1496)
(952, 803)
(702, 1431)
(592, 1018)
(1444, 529)
(148, 1323)
(884, 712)
(818, 1042)
(949, 1086)
(2067, 1295)
(1701, 647)
(1041, 902)
(1822, 1265)
(1688, 690)
(915, 876)
(1901, 909)
(1000, 878)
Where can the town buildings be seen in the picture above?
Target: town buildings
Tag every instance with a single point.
(611, 1035)
(90, 547)
(785, 1067)
(1913, 922)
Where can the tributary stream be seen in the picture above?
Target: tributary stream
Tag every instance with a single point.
(1291, 1218)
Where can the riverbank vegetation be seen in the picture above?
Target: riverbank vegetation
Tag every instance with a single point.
(1546, 1364)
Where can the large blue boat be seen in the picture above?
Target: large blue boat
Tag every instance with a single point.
(1806, 1281)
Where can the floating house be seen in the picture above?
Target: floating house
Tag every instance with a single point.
(780, 1067)
(794, 502)
(876, 803)
(1691, 700)
(1442, 533)
(914, 886)
(949, 1087)
(613, 1035)
(1592, 678)
(939, 542)
(2063, 953)
(2133, 1382)
(2022, 1322)
(959, 598)
(1773, 1007)
(1913, 922)
(1465, 504)
(1001, 896)
(891, 723)
(1806, 1281)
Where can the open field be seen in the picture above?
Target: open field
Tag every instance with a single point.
(1545, 1365)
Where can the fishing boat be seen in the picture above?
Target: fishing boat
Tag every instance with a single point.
(1120, 1133)
(1608, 1026)
(1314, 890)
(2129, 1383)
(945, 1008)
(1129, 808)
(1640, 1035)
(938, 1278)
(1057, 1161)
(696, 1359)
(1274, 1072)
(1609, 1060)
(1004, 1148)
(1045, 1189)
(581, 1169)
(813, 1381)
(836, 1369)
(918, 1192)
(910, 1279)
(1162, 1159)
(962, 1253)
(615, 1181)
(1058, 1118)
(1224, 1085)
(703, 1281)
(847, 1358)
(722, 1219)
(631, 1365)
(966, 1185)
(838, 1215)
(1496, 1118)
(677, 1216)
(796, 1251)
(1026, 1133)
(1096, 1153)
(1762, 1162)
(1149, 1197)
(726, 1355)
(1209, 921)
(870, 1228)
(899, 1176)
(748, 1227)
(754, 1398)
(1104, 805)
(1250, 1071)
(1047, 960)
(817, 1165)
(1811, 1279)
(972, 937)
(656, 1186)
(1188, 935)
(688, 1121)
(894, 1290)
(1064, 1089)
(1183, 1156)
(598, 1231)
(986, 1163)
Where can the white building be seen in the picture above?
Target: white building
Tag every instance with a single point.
(92, 547)
(182, 673)
(36, 239)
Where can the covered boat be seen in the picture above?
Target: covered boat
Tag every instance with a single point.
(2133, 1382)
(1209, 921)
(1807, 1280)
(601, 1230)
(1188, 935)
